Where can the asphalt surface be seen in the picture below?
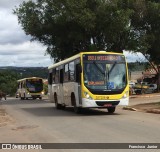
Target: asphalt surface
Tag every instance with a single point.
(38, 121)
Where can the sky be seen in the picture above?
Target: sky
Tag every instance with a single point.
(16, 49)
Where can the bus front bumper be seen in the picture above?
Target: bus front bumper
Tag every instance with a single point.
(104, 103)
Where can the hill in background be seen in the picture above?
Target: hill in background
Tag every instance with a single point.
(23, 72)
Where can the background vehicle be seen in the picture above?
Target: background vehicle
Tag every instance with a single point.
(144, 87)
(90, 80)
(31, 87)
(131, 88)
(153, 87)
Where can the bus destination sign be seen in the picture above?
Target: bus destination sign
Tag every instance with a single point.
(95, 57)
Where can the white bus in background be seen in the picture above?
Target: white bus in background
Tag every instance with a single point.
(31, 87)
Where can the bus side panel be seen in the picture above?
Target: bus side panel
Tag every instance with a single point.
(78, 95)
(58, 89)
(50, 94)
(70, 88)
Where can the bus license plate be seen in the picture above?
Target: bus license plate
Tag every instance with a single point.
(107, 105)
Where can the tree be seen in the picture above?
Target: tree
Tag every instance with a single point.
(8, 81)
(70, 26)
(67, 27)
(146, 23)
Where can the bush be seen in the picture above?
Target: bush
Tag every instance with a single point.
(8, 81)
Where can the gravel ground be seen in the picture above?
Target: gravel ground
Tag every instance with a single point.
(4, 117)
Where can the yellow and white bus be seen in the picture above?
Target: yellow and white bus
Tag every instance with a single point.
(90, 80)
(31, 87)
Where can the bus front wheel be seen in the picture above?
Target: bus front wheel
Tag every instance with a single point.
(73, 100)
(111, 109)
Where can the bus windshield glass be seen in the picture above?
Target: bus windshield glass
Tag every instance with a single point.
(104, 72)
(34, 85)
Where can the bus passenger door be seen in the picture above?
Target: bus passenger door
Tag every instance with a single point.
(50, 92)
(78, 84)
(60, 88)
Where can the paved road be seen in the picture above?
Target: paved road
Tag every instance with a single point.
(39, 121)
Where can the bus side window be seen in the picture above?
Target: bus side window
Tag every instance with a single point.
(61, 75)
(53, 75)
(66, 73)
(57, 75)
(22, 84)
(50, 78)
(71, 71)
(78, 73)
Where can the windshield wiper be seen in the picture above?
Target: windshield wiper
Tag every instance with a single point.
(112, 67)
(98, 67)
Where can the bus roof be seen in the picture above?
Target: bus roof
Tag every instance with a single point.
(77, 56)
(28, 78)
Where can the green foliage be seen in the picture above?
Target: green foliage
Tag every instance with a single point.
(8, 81)
(70, 26)
(137, 66)
(32, 72)
(146, 23)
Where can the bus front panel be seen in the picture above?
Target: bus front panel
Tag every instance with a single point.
(105, 80)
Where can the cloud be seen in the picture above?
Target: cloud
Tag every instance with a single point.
(15, 46)
(10, 4)
(10, 31)
(133, 57)
(23, 48)
(25, 54)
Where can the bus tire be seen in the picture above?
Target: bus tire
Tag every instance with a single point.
(73, 101)
(57, 105)
(24, 96)
(111, 109)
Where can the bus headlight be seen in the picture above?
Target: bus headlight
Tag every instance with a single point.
(42, 92)
(88, 96)
(125, 95)
(28, 93)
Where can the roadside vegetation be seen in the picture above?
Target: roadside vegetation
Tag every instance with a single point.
(9, 77)
(8, 81)
(68, 27)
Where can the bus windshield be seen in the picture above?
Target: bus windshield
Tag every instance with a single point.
(34, 85)
(104, 72)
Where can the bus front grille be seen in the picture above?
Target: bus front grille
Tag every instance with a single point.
(102, 103)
